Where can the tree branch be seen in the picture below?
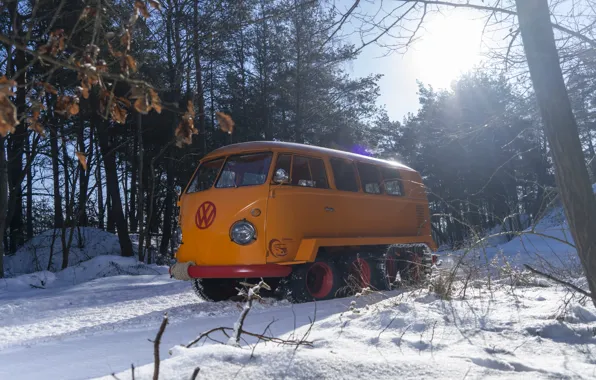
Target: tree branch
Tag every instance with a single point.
(156, 343)
(493, 9)
(562, 282)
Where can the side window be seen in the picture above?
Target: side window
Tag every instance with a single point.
(283, 162)
(345, 178)
(309, 172)
(392, 181)
(319, 174)
(301, 172)
(205, 176)
(370, 178)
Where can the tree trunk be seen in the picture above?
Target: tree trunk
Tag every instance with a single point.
(199, 79)
(29, 190)
(132, 215)
(15, 158)
(561, 131)
(98, 180)
(3, 201)
(140, 200)
(58, 214)
(83, 178)
(109, 160)
(169, 205)
(111, 224)
(65, 168)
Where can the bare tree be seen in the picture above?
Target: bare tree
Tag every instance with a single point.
(561, 130)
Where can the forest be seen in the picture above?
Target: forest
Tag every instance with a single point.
(107, 107)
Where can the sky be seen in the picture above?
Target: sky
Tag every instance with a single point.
(449, 45)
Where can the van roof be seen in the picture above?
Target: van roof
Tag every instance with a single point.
(299, 148)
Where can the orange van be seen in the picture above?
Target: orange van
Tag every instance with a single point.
(311, 221)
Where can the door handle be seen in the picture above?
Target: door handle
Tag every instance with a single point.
(329, 209)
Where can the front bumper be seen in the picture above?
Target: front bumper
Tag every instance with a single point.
(189, 271)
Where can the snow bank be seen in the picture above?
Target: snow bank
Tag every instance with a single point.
(34, 255)
(404, 335)
(548, 245)
(97, 267)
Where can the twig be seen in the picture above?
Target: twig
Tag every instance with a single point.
(562, 282)
(195, 373)
(156, 343)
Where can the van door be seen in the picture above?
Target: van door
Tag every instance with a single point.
(300, 208)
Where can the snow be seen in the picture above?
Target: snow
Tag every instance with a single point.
(91, 329)
(96, 318)
(547, 246)
(97, 267)
(34, 255)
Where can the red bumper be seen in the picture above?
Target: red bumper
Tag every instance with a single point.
(239, 271)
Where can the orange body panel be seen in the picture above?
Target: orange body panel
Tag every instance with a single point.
(293, 222)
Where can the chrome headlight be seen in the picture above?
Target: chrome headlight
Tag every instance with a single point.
(243, 232)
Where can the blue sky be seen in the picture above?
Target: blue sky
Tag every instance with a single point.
(449, 44)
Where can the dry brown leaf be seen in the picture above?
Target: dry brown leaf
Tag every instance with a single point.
(130, 61)
(49, 88)
(8, 116)
(55, 44)
(116, 54)
(67, 105)
(155, 101)
(186, 127)
(142, 106)
(6, 86)
(225, 121)
(142, 8)
(155, 4)
(190, 109)
(73, 109)
(34, 123)
(118, 113)
(82, 159)
(184, 132)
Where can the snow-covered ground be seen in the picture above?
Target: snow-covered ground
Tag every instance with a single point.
(96, 318)
(99, 327)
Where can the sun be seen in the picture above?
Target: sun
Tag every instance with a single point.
(449, 45)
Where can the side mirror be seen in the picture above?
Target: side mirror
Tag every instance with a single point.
(281, 176)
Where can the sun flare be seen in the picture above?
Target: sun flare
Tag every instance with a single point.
(449, 45)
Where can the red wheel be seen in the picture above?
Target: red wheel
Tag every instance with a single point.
(319, 280)
(360, 271)
(312, 281)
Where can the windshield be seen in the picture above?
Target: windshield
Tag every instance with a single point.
(205, 176)
(245, 170)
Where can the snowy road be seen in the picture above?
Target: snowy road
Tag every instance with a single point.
(100, 327)
(96, 328)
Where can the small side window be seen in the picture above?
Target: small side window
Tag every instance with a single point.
(345, 177)
(392, 181)
(370, 178)
(309, 172)
(205, 176)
